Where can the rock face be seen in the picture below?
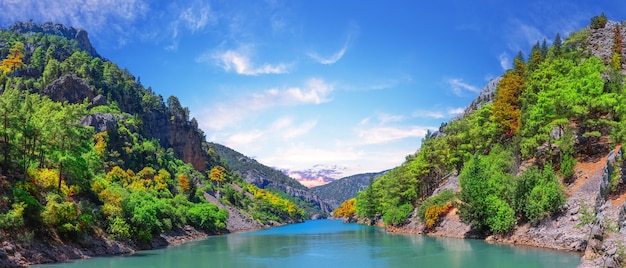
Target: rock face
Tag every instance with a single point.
(101, 122)
(177, 133)
(601, 41)
(69, 88)
(79, 35)
(485, 96)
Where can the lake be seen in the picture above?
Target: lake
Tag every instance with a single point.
(331, 243)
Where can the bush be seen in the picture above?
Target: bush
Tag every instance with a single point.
(207, 216)
(119, 229)
(14, 218)
(434, 212)
(397, 215)
(58, 212)
(538, 194)
(443, 198)
(502, 217)
(567, 167)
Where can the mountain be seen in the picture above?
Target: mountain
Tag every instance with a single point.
(338, 191)
(535, 160)
(93, 163)
(269, 178)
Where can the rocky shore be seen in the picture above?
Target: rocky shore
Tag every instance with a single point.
(53, 249)
(601, 242)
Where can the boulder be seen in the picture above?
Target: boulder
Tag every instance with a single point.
(69, 88)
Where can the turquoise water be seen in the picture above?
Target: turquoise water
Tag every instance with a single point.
(330, 243)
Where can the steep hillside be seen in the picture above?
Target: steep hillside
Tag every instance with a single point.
(269, 178)
(532, 164)
(340, 190)
(92, 162)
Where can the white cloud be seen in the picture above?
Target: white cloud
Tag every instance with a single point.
(285, 128)
(228, 113)
(197, 17)
(456, 111)
(427, 114)
(300, 130)
(239, 62)
(378, 135)
(309, 156)
(328, 60)
(332, 59)
(458, 86)
(387, 118)
(505, 61)
(240, 139)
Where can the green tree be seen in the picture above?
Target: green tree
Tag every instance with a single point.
(598, 22)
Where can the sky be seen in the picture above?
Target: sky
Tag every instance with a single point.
(333, 88)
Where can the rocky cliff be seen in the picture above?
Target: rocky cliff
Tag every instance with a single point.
(79, 35)
(181, 135)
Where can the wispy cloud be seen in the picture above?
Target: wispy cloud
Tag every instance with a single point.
(228, 113)
(239, 62)
(505, 61)
(380, 135)
(248, 137)
(299, 130)
(427, 114)
(459, 86)
(286, 128)
(456, 111)
(197, 17)
(328, 60)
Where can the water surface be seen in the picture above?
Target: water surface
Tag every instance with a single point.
(330, 243)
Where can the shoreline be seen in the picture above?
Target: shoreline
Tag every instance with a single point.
(50, 251)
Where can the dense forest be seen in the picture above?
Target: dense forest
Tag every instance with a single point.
(81, 155)
(514, 155)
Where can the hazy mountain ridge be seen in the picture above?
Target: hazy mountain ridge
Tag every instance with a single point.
(270, 178)
(338, 191)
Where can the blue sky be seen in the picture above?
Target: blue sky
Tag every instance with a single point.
(348, 86)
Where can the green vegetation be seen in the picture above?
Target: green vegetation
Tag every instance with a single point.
(433, 207)
(60, 176)
(560, 104)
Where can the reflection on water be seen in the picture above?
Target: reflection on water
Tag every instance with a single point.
(327, 243)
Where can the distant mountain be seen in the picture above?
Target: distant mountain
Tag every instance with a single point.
(269, 178)
(316, 176)
(343, 189)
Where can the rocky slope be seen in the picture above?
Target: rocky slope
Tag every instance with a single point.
(80, 35)
(601, 241)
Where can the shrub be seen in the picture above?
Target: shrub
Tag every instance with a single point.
(119, 229)
(434, 212)
(567, 167)
(58, 212)
(502, 217)
(397, 215)
(443, 198)
(538, 194)
(207, 216)
(14, 217)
